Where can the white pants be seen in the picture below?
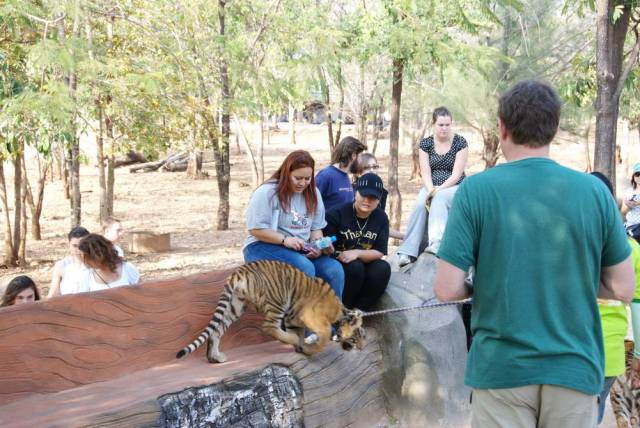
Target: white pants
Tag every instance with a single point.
(437, 217)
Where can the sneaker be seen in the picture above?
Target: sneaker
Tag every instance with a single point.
(403, 260)
(433, 247)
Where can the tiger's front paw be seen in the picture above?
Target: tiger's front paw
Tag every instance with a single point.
(309, 350)
(220, 358)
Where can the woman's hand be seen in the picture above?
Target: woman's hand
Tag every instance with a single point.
(313, 253)
(329, 250)
(635, 373)
(631, 203)
(349, 256)
(293, 243)
(432, 193)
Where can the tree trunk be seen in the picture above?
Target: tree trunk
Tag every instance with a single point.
(415, 158)
(194, 165)
(17, 199)
(9, 258)
(221, 147)
(326, 98)
(22, 247)
(111, 180)
(292, 124)
(37, 213)
(73, 164)
(102, 177)
(361, 119)
(35, 203)
(610, 38)
(395, 198)
(62, 158)
(261, 147)
(111, 160)
(340, 112)
(249, 151)
(377, 127)
(490, 151)
(587, 150)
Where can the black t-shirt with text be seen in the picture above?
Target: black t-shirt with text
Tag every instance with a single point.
(352, 233)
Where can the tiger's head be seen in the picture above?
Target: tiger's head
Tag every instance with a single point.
(349, 331)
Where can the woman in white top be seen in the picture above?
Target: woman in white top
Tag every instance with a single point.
(69, 274)
(106, 268)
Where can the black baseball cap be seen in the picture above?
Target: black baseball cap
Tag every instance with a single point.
(370, 185)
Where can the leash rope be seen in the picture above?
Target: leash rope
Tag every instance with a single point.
(411, 308)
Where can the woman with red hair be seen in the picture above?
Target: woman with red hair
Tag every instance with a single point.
(284, 214)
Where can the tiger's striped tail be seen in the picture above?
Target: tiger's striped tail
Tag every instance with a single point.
(204, 336)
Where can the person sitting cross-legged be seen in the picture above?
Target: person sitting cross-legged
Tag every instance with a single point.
(361, 232)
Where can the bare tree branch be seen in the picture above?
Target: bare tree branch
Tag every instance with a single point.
(46, 22)
(633, 60)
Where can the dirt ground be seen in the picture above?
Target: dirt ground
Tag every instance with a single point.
(169, 202)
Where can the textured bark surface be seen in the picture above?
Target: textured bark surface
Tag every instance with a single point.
(339, 389)
(424, 352)
(264, 398)
(74, 340)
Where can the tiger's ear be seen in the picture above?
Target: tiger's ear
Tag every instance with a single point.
(350, 315)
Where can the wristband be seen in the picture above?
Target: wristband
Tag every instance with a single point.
(283, 239)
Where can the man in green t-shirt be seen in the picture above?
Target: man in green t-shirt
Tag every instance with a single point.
(545, 242)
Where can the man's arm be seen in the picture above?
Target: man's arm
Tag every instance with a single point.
(56, 278)
(448, 283)
(618, 282)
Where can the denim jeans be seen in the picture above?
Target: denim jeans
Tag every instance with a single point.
(324, 266)
(437, 220)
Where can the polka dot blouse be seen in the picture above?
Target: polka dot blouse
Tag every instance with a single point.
(442, 165)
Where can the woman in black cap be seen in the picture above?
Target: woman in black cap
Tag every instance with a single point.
(361, 232)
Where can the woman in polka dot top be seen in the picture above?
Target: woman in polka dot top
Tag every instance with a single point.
(443, 157)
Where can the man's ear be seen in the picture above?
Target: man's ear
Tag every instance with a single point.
(502, 130)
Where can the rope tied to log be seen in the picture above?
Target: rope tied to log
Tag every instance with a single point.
(411, 308)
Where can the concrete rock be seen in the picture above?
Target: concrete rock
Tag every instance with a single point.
(424, 352)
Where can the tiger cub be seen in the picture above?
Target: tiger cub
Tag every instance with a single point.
(290, 302)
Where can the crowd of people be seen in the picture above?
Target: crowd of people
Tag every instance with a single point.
(553, 263)
(95, 262)
(553, 266)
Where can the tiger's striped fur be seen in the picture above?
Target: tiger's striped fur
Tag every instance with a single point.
(624, 398)
(290, 302)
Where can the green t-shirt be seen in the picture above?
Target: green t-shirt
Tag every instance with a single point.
(613, 315)
(537, 234)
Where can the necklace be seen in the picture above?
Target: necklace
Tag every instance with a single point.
(360, 227)
(101, 278)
